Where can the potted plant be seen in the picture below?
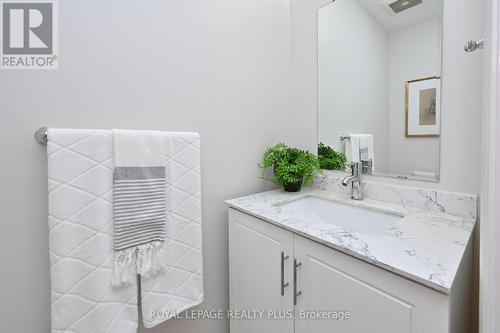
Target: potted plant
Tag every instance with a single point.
(292, 167)
(330, 159)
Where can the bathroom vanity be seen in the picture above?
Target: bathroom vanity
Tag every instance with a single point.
(397, 262)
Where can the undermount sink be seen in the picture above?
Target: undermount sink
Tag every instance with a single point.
(356, 219)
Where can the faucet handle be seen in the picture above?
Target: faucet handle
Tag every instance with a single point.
(367, 167)
(356, 180)
(356, 168)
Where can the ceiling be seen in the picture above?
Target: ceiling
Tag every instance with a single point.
(380, 10)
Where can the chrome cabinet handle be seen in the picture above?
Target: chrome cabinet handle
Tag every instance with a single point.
(283, 283)
(296, 292)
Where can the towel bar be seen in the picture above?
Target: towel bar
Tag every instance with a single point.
(344, 137)
(41, 135)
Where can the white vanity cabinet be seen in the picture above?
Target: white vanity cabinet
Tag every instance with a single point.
(255, 273)
(326, 282)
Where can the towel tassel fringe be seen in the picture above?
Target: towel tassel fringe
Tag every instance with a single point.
(145, 260)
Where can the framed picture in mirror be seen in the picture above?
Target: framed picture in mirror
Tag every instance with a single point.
(423, 111)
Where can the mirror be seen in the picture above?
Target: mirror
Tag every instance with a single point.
(379, 84)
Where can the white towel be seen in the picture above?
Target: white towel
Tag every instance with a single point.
(139, 203)
(138, 148)
(360, 148)
(80, 177)
(181, 287)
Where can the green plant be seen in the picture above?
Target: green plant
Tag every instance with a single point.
(330, 159)
(273, 155)
(290, 164)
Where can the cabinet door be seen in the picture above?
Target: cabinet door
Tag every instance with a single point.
(255, 274)
(331, 281)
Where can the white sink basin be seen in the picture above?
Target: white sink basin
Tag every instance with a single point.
(355, 219)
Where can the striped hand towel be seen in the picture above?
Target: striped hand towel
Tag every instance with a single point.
(139, 203)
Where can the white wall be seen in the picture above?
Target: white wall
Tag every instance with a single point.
(461, 97)
(213, 66)
(414, 53)
(353, 77)
(490, 190)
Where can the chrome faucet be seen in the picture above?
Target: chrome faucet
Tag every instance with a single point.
(356, 180)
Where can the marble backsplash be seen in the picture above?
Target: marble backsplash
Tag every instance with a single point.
(453, 203)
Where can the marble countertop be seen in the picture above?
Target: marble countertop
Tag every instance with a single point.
(424, 246)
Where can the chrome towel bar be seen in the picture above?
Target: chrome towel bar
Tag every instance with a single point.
(344, 137)
(41, 135)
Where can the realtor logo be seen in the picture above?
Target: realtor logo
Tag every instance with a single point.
(29, 39)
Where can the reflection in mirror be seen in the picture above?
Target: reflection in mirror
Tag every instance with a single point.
(379, 84)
